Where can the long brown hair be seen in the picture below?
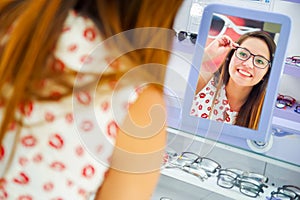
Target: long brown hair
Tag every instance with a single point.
(29, 30)
(250, 112)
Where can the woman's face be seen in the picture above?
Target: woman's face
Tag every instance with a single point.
(244, 73)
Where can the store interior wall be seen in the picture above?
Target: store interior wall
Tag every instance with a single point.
(289, 84)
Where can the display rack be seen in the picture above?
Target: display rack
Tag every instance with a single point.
(294, 1)
(292, 70)
(288, 113)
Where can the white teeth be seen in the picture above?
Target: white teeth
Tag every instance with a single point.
(244, 73)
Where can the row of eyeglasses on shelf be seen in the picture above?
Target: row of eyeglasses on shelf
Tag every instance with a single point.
(250, 184)
(284, 101)
(293, 60)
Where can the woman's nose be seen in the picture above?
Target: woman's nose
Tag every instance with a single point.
(249, 62)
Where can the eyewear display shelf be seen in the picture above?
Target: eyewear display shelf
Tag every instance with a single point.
(287, 119)
(210, 184)
(294, 1)
(209, 188)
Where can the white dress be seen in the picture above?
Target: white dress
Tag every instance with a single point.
(64, 148)
(219, 110)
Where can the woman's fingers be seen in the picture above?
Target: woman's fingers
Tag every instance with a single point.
(226, 41)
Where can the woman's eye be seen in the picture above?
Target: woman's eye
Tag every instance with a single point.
(260, 61)
(243, 54)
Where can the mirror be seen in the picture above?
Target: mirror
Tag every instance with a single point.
(234, 76)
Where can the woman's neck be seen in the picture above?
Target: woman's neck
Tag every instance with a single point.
(237, 95)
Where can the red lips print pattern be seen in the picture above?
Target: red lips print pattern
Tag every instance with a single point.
(51, 160)
(202, 104)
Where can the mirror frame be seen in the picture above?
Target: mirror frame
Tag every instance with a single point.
(200, 126)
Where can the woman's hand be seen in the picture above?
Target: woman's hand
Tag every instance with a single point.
(218, 47)
(216, 50)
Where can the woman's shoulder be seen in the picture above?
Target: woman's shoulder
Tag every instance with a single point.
(80, 46)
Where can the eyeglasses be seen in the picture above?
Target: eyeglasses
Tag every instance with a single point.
(249, 183)
(194, 164)
(182, 35)
(192, 159)
(294, 188)
(220, 23)
(279, 196)
(252, 175)
(285, 100)
(288, 192)
(294, 60)
(258, 61)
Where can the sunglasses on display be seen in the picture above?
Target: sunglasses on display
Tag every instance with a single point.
(286, 192)
(258, 60)
(249, 183)
(294, 60)
(220, 23)
(182, 35)
(284, 100)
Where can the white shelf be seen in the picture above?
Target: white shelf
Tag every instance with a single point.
(210, 184)
(292, 70)
(293, 1)
(288, 118)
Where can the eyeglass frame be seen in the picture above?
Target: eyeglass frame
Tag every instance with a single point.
(251, 54)
(283, 101)
(240, 179)
(199, 159)
(292, 187)
(252, 175)
(192, 36)
(188, 167)
(293, 60)
(230, 24)
(273, 193)
(291, 194)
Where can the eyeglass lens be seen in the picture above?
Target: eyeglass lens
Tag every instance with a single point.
(249, 189)
(245, 54)
(226, 178)
(226, 181)
(287, 192)
(187, 158)
(208, 164)
(189, 155)
(257, 177)
(246, 181)
(283, 100)
(295, 190)
(182, 35)
(281, 104)
(279, 196)
(217, 25)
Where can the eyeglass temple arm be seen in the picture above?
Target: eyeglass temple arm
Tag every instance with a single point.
(238, 29)
(200, 173)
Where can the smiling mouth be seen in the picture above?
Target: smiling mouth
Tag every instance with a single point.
(244, 73)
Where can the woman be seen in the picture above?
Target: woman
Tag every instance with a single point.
(78, 115)
(235, 92)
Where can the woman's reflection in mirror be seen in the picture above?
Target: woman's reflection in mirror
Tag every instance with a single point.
(234, 91)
